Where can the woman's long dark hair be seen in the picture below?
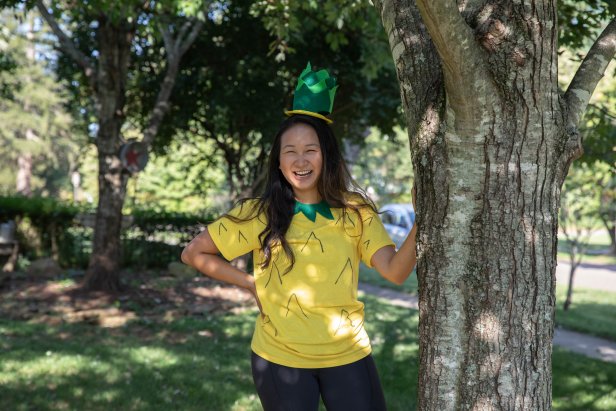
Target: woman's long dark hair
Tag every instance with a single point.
(335, 185)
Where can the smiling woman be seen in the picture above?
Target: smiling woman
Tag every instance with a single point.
(308, 232)
(301, 161)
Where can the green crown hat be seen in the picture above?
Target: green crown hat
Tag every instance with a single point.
(314, 94)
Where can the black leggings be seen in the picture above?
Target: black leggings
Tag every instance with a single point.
(350, 387)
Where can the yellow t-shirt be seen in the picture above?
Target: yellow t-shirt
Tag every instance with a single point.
(311, 315)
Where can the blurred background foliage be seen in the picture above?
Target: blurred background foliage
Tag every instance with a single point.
(229, 98)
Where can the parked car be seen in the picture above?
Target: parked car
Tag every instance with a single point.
(398, 220)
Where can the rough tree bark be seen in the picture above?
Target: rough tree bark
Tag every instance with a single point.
(107, 78)
(25, 160)
(114, 40)
(24, 174)
(492, 138)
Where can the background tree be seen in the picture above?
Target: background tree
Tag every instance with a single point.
(598, 127)
(39, 142)
(607, 211)
(579, 215)
(492, 138)
(180, 180)
(382, 166)
(101, 38)
(233, 93)
(598, 138)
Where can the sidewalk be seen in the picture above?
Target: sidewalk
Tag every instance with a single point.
(594, 347)
(598, 277)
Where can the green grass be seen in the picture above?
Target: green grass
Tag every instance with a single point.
(591, 311)
(203, 363)
(81, 367)
(582, 384)
(194, 363)
(371, 276)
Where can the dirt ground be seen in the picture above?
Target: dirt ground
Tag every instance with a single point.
(151, 295)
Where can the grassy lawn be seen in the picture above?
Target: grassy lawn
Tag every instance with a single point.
(591, 311)
(202, 362)
(190, 364)
(599, 242)
(580, 383)
(371, 276)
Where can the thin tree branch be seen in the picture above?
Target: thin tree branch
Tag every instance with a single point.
(175, 49)
(190, 39)
(603, 110)
(67, 45)
(181, 33)
(415, 57)
(167, 38)
(461, 56)
(453, 38)
(589, 73)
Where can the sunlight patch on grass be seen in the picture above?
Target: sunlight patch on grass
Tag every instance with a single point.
(108, 395)
(150, 356)
(92, 370)
(51, 365)
(591, 311)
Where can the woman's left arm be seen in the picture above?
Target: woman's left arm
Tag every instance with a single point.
(396, 266)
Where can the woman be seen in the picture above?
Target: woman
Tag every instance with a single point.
(308, 232)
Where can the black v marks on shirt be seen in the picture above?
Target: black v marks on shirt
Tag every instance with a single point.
(312, 235)
(294, 296)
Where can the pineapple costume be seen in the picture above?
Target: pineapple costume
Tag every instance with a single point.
(311, 315)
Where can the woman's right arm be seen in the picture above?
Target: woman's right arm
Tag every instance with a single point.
(202, 254)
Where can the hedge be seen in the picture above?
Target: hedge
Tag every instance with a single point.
(49, 227)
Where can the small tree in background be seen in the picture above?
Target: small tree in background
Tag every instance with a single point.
(607, 211)
(579, 216)
(598, 138)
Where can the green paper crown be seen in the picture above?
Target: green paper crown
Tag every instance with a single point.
(314, 93)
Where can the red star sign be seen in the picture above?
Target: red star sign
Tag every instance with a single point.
(131, 158)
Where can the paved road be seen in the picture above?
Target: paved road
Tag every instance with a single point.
(594, 347)
(585, 344)
(588, 276)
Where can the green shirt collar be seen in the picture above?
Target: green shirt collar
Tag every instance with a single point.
(311, 210)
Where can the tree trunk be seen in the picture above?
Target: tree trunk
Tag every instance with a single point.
(114, 39)
(108, 83)
(573, 261)
(488, 254)
(491, 143)
(25, 160)
(570, 287)
(24, 174)
(610, 226)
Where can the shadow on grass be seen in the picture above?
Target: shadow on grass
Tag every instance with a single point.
(581, 383)
(84, 367)
(371, 276)
(202, 363)
(192, 363)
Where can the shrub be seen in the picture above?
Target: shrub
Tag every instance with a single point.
(49, 227)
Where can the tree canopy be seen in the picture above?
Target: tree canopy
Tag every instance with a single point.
(36, 126)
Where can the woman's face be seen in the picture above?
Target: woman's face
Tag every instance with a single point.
(301, 161)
